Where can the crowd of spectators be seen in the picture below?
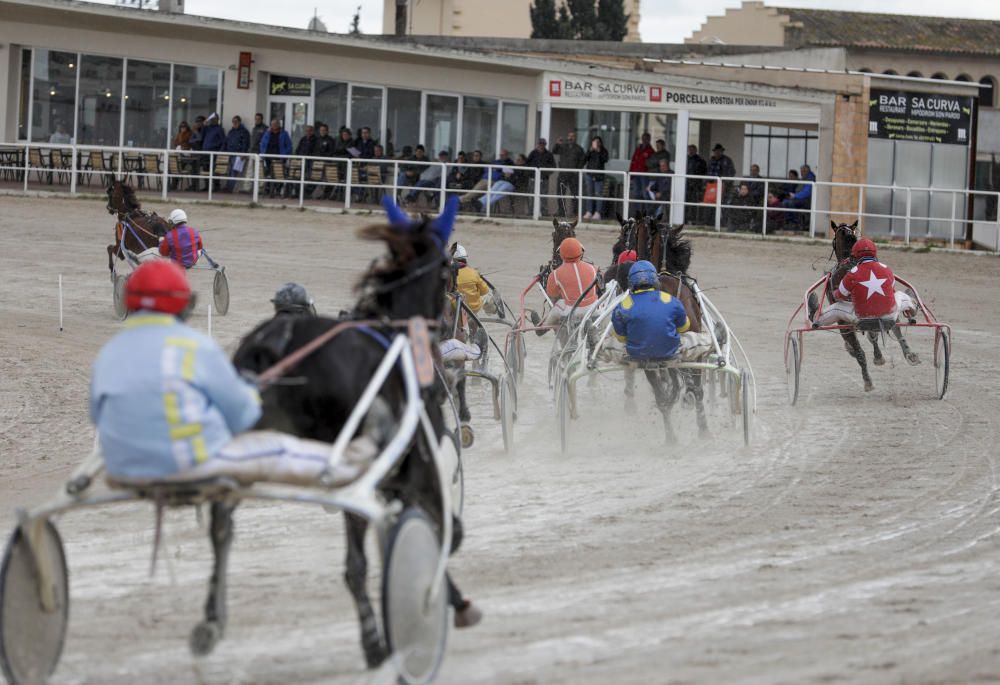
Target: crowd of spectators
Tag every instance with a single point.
(420, 180)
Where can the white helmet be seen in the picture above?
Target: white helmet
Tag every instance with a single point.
(177, 217)
(460, 253)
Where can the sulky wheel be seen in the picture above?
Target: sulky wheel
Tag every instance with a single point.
(220, 292)
(563, 401)
(793, 364)
(121, 311)
(451, 463)
(31, 634)
(745, 401)
(508, 403)
(414, 609)
(942, 362)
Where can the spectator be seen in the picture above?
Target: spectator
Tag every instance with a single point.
(258, 131)
(743, 219)
(365, 144)
(503, 185)
(197, 133)
(660, 152)
(213, 136)
(800, 199)
(307, 148)
(190, 164)
(637, 166)
(410, 172)
(489, 176)
(570, 157)
(695, 187)
(542, 158)
(458, 172)
(720, 164)
(659, 187)
(60, 137)
(786, 190)
(237, 141)
(180, 141)
(430, 177)
(524, 178)
(775, 219)
(593, 184)
(379, 152)
(275, 142)
(325, 147)
(756, 188)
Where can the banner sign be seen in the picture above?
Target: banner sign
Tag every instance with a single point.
(920, 117)
(290, 85)
(243, 79)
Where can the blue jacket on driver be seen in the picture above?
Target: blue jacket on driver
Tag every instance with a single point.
(649, 321)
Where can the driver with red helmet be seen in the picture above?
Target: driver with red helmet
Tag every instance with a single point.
(866, 291)
(167, 402)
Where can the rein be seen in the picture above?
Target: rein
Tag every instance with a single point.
(285, 364)
(408, 278)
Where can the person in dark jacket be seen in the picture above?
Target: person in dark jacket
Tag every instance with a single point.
(307, 148)
(720, 165)
(658, 189)
(257, 132)
(694, 189)
(213, 135)
(570, 157)
(325, 147)
(237, 141)
(275, 142)
(365, 144)
(595, 159)
(191, 164)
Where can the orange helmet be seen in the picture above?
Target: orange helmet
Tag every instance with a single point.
(864, 248)
(570, 249)
(628, 256)
(159, 285)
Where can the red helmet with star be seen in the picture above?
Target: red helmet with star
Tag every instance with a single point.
(864, 248)
(628, 256)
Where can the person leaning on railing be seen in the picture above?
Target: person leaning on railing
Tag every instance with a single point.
(570, 157)
(237, 142)
(476, 198)
(274, 142)
(325, 147)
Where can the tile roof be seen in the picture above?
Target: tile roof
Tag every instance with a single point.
(891, 31)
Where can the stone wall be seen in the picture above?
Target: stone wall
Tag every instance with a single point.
(850, 154)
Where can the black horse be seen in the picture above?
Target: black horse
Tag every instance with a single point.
(409, 282)
(137, 230)
(844, 237)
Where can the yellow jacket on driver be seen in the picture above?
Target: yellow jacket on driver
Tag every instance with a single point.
(471, 287)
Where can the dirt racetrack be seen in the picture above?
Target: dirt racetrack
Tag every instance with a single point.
(857, 540)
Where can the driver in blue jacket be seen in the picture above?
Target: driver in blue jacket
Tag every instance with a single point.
(648, 321)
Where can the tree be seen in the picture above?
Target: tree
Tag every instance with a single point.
(612, 22)
(582, 18)
(543, 19)
(356, 22)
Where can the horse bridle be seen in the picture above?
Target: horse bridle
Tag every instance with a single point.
(841, 228)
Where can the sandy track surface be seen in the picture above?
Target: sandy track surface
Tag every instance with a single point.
(856, 540)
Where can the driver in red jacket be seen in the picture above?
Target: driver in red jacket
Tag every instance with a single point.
(866, 291)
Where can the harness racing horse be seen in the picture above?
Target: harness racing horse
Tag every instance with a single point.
(408, 282)
(137, 230)
(560, 231)
(670, 253)
(844, 237)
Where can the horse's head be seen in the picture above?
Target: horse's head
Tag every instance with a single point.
(121, 198)
(844, 237)
(560, 231)
(626, 237)
(675, 250)
(412, 278)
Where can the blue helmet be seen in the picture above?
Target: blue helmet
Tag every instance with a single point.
(643, 275)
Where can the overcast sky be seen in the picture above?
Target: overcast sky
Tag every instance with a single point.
(662, 21)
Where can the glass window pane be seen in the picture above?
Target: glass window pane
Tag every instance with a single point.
(812, 154)
(796, 153)
(54, 90)
(442, 123)
(24, 95)
(514, 136)
(366, 110)
(778, 161)
(196, 92)
(100, 106)
(331, 105)
(479, 125)
(147, 103)
(402, 120)
(759, 155)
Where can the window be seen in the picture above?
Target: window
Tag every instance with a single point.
(196, 92)
(964, 78)
(100, 102)
(54, 91)
(331, 104)
(147, 104)
(402, 124)
(915, 74)
(940, 75)
(987, 91)
(366, 110)
(479, 125)
(24, 95)
(441, 122)
(778, 149)
(514, 135)
(891, 72)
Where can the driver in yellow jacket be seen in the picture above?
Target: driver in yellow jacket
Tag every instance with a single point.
(470, 285)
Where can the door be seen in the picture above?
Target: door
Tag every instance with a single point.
(293, 113)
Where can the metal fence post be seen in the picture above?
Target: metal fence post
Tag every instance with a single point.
(256, 178)
(861, 199)
(625, 194)
(302, 182)
(72, 173)
(165, 174)
(349, 184)
(954, 195)
(211, 174)
(536, 211)
(906, 237)
(444, 186)
(27, 154)
(489, 187)
(718, 204)
(812, 212)
(579, 195)
(763, 223)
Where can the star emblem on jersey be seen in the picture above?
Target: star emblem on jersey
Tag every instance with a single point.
(873, 284)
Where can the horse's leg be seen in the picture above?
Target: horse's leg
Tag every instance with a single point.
(663, 401)
(855, 350)
(464, 415)
(696, 385)
(910, 355)
(207, 634)
(630, 407)
(111, 259)
(356, 576)
(877, 357)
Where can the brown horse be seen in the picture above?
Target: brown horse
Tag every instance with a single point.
(137, 230)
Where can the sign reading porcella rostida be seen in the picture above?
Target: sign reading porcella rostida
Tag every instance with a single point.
(576, 91)
(920, 117)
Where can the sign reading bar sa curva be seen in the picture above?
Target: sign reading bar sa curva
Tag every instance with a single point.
(920, 117)
(290, 85)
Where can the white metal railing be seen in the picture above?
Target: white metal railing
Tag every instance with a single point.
(497, 189)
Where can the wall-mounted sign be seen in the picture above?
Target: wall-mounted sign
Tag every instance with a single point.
(920, 117)
(243, 75)
(290, 85)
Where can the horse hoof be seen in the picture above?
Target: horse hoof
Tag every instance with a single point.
(913, 358)
(869, 386)
(375, 654)
(468, 616)
(879, 361)
(204, 637)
